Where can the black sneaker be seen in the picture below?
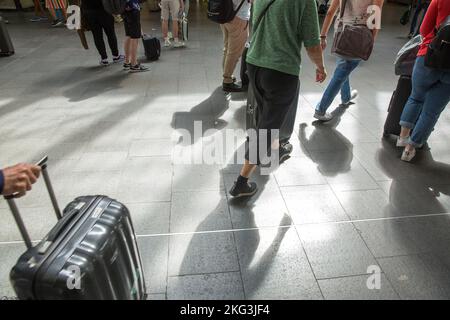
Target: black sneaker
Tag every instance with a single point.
(126, 66)
(244, 190)
(231, 87)
(139, 68)
(285, 151)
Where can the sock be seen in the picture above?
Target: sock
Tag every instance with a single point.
(242, 180)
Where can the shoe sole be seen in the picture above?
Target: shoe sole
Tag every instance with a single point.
(323, 120)
(284, 158)
(138, 71)
(245, 194)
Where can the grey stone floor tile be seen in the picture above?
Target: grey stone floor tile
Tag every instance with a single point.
(356, 288)
(146, 180)
(10, 253)
(156, 296)
(202, 253)
(265, 209)
(274, 265)
(150, 148)
(335, 250)
(313, 204)
(199, 211)
(196, 178)
(38, 221)
(367, 204)
(299, 172)
(101, 161)
(154, 255)
(418, 277)
(150, 218)
(219, 286)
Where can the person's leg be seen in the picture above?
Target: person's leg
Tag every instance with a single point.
(127, 49)
(165, 13)
(95, 24)
(343, 70)
(107, 22)
(174, 10)
(275, 93)
(423, 79)
(237, 37)
(225, 44)
(436, 101)
(134, 43)
(288, 126)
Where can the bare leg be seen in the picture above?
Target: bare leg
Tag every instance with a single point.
(247, 169)
(165, 28)
(127, 50)
(405, 132)
(133, 51)
(175, 29)
(52, 13)
(38, 12)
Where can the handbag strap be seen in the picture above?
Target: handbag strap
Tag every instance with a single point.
(262, 15)
(240, 6)
(344, 5)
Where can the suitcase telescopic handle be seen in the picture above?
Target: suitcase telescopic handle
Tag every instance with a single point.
(15, 210)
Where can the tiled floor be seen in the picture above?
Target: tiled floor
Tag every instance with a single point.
(343, 204)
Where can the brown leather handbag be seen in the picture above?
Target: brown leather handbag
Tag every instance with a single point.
(352, 41)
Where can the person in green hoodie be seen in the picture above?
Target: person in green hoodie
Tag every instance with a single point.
(280, 29)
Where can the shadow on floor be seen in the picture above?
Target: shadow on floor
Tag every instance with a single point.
(325, 139)
(203, 117)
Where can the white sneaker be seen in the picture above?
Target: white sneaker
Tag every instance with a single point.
(402, 142)
(323, 117)
(407, 156)
(178, 44)
(353, 96)
(167, 43)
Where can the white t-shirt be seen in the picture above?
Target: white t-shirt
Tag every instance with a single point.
(244, 12)
(356, 12)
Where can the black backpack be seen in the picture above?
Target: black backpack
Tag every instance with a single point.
(114, 6)
(222, 11)
(438, 55)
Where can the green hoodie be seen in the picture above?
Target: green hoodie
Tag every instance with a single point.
(277, 42)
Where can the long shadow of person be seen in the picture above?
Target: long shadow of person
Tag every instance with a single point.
(242, 213)
(416, 188)
(204, 116)
(325, 139)
(421, 243)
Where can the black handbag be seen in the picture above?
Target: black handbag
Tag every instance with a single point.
(352, 41)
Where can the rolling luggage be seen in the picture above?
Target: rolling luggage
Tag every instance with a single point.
(90, 254)
(396, 106)
(6, 46)
(152, 47)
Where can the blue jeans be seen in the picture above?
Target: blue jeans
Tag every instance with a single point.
(339, 82)
(430, 95)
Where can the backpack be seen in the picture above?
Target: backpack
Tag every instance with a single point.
(222, 11)
(406, 57)
(114, 6)
(438, 55)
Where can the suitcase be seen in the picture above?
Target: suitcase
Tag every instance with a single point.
(6, 46)
(396, 106)
(152, 47)
(90, 254)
